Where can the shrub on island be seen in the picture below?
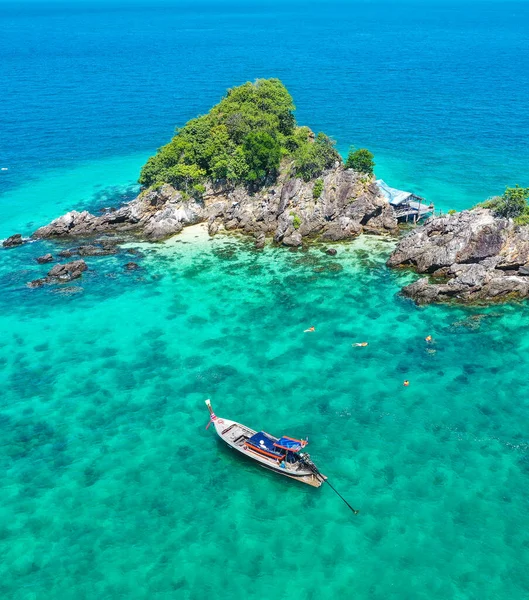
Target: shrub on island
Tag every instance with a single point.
(296, 220)
(512, 204)
(317, 189)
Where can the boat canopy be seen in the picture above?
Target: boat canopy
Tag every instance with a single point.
(272, 446)
(265, 443)
(291, 444)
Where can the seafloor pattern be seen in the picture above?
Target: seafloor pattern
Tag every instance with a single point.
(113, 488)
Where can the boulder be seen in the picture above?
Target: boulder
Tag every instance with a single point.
(423, 292)
(213, 227)
(46, 258)
(131, 266)
(293, 240)
(12, 241)
(165, 223)
(68, 271)
(331, 251)
(260, 240)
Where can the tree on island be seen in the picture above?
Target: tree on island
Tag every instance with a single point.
(360, 160)
(262, 153)
(241, 140)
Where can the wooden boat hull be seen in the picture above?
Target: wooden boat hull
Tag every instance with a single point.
(235, 435)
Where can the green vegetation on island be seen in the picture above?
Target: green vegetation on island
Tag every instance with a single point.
(317, 189)
(243, 140)
(360, 160)
(296, 220)
(512, 204)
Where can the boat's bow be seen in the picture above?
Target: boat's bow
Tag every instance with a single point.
(220, 424)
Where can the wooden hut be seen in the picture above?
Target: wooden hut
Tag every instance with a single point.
(408, 206)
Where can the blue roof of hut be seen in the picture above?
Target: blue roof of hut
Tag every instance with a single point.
(394, 196)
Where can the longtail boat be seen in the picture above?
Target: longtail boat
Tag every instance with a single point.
(282, 455)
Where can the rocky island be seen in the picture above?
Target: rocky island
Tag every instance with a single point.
(247, 166)
(473, 256)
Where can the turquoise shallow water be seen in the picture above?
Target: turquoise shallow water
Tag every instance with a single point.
(113, 488)
(90, 185)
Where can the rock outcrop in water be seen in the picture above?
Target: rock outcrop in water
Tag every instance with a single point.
(13, 240)
(349, 204)
(61, 273)
(469, 256)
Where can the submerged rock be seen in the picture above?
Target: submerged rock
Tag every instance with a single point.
(37, 283)
(131, 266)
(331, 251)
(471, 256)
(92, 250)
(12, 241)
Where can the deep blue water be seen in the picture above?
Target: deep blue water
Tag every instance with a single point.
(438, 90)
(111, 488)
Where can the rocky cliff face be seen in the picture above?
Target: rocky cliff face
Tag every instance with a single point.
(470, 256)
(286, 210)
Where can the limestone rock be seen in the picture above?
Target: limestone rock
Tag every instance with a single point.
(46, 258)
(347, 207)
(471, 256)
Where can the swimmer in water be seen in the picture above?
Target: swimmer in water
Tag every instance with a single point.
(310, 329)
(406, 383)
(428, 339)
(360, 344)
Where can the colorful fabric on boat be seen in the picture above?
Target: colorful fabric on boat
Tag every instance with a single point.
(287, 443)
(263, 441)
